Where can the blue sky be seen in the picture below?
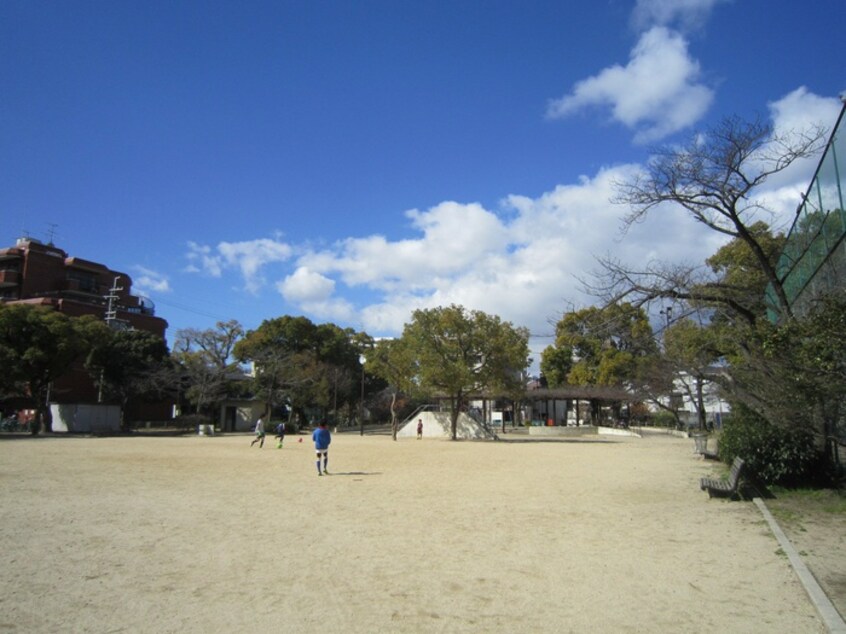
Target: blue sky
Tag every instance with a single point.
(353, 161)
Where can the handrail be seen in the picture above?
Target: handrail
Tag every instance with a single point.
(422, 408)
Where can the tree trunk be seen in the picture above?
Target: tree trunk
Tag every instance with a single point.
(700, 402)
(394, 415)
(456, 403)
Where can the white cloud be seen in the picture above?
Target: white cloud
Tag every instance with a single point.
(331, 309)
(683, 14)
(454, 236)
(150, 281)
(306, 286)
(312, 292)
(200, 259)
(524, 269)
(797, 112)
(249, 257)
(800, 109)
(655, 95)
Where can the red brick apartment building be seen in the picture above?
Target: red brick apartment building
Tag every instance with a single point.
(32, 272)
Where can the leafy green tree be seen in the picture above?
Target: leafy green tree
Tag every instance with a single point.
(691, 351)
(392, 360)
(556, 363)
(769, 366)
(796, 377)
(606, 345)
(125, 362)
(37, 346)
(459, 353)
(610, 346)
(297, 362)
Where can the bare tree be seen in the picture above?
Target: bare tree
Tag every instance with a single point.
(715, 179)
(205, 357)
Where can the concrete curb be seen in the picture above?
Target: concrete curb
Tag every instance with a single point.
(829, 614)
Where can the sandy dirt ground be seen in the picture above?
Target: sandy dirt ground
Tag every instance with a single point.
(815, 523)
(198, 534)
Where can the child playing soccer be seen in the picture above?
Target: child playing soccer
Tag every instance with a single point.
(322, 438)
(259, 434)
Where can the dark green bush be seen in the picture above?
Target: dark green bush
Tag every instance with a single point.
(663, 418)
(776, 455)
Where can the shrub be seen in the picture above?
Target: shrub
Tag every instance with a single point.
(776, 455)
(664, 419)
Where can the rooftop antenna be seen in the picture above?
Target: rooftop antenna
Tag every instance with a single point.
(51, 233)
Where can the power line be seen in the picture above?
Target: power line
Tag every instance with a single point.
(191, 309)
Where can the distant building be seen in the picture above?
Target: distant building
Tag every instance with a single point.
(690, 393)
(35, 273)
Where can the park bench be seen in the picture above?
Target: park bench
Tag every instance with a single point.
(724, 488)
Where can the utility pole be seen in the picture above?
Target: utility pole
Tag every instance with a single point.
(111, 305)
(111, 316)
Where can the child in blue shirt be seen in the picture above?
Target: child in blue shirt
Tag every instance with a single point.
(322, 438)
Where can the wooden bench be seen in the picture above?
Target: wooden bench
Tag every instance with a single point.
(724, 488)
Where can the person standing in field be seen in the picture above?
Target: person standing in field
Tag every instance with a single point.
(419, 428)
(322, 438)
(280, 435)
(259, 434)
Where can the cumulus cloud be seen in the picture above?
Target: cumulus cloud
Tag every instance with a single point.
(800, 109)
(521, 261)
(313, 292)
(148, 281)
(248, 257)
(796, 113)
(306, 286)
(453, 237)
(681, 14)
(656, 94)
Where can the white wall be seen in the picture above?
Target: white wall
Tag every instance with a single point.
(87, 419)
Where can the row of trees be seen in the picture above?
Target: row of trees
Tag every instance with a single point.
(288, 363)
(38, 345)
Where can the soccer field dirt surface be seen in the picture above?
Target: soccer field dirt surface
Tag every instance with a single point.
(205, 534)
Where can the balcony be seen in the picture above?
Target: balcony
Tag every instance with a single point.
(139, 305)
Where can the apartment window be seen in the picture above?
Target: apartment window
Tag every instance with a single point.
(82, 281)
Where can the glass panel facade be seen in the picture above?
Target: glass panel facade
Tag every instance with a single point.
(814, 260)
